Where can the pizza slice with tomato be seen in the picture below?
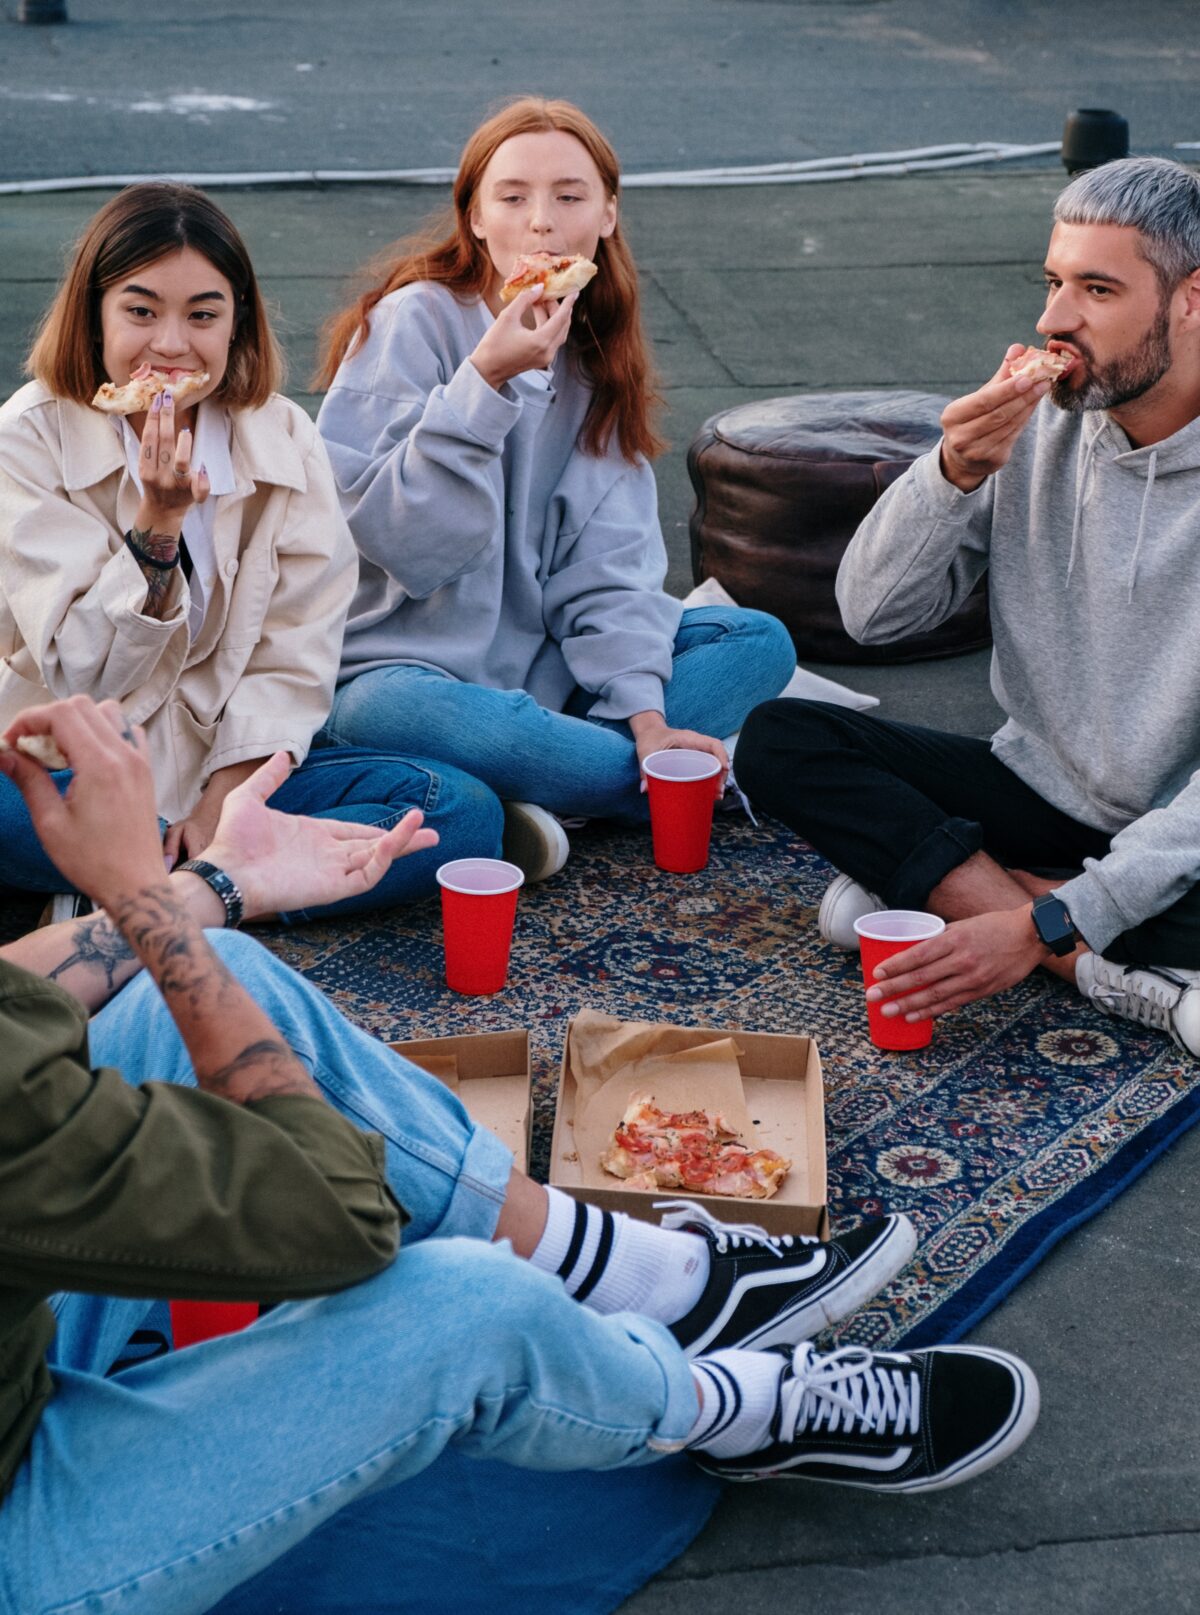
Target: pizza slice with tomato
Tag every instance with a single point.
(695, 1151)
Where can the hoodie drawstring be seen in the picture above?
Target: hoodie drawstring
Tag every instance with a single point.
(1151, 468)
(1083, 477)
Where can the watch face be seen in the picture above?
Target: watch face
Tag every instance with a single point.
(1053, 924)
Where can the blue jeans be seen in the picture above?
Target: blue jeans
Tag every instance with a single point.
(726, 661)
(364, 787)
(165, 1486)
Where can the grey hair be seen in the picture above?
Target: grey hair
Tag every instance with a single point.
(1152, 195)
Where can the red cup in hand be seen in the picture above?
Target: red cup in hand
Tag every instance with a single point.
(879, 937)
(683, 786)
(479, 905)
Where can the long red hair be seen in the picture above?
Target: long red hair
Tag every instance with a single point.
(606, 341)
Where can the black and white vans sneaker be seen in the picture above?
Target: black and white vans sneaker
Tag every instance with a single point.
(770, 1290)
(891, 1421)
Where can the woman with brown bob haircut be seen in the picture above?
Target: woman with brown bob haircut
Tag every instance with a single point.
(180, 548)
(494, 464)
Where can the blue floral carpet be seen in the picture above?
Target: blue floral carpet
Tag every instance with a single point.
(1025, 1115)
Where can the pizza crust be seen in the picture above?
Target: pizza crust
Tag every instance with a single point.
(42, 748)
(557, 273)
(136, 395)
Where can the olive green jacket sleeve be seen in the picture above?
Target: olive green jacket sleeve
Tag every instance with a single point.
(163, 1190)
(158, 1191)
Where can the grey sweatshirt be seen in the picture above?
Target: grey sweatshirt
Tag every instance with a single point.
(493, 548)
(1093, 555)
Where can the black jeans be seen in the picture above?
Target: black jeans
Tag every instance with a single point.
(897, 807)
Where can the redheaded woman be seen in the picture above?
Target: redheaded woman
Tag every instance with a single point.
(494, 465)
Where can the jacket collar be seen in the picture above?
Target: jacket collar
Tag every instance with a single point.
(262, 450)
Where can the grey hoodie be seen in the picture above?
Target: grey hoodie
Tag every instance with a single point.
(1093, 556)
(492, 547)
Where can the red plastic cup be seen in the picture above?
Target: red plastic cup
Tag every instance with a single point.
(879, 937)
(193, 1321)
(682, 785)
(479, 905)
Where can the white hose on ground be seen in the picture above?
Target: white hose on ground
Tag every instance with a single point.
(863, 165)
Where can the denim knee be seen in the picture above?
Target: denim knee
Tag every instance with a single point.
(768, 645)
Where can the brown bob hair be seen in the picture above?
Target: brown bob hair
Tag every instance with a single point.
(606, 341)
(138, 227)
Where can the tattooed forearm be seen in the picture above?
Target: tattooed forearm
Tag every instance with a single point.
(98, 945)
(268, 1067)
(236, 1050)
(163, 548)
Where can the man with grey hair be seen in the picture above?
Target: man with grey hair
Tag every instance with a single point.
(1072, 839)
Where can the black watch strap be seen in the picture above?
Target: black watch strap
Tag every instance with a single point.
(226, 889)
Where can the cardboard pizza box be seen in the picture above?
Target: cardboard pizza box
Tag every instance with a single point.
(490, 1073)
(781, 1075)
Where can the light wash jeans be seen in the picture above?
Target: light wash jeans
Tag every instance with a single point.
(157, 1491)
(726, 662)
(353, 783)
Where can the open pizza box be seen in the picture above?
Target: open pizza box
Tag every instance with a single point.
(781, 1079)
(489, 1071)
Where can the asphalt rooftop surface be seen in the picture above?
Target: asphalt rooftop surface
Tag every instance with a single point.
(919, 283)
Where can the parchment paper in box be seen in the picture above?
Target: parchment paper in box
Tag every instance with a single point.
(781, 1077)
(703, 1078)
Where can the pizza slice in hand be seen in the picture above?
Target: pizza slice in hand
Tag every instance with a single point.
(556, 273)
(136, 395)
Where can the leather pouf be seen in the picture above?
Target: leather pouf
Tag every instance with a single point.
(781, 487)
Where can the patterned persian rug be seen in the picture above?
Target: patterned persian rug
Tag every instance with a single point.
(1025, 1115)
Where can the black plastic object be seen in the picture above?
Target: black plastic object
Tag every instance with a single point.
(1092, 136)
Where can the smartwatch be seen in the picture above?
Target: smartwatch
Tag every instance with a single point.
(1052, 922)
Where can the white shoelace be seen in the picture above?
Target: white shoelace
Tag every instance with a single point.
(845, 1389)
(1151, 1001)
(729, 1235)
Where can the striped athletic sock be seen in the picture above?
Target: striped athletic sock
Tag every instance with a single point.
(615, 1263)
(741, 1392)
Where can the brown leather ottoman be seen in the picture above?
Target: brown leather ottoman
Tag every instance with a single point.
(781, 487)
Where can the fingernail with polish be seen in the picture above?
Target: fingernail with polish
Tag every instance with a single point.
(156, 403)
(166, 397)
(203, 470)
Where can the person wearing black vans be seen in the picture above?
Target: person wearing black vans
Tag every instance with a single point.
(218, 1130)
(1072, 839)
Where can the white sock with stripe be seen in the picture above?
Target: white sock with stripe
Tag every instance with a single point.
(741, 1392)
(615, 1263)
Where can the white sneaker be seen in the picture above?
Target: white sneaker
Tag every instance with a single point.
(534, 840)
(1168, 1000)
(844, 902)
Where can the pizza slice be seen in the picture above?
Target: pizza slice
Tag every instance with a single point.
(42, 748)
(696, 1151)
(1042, 364)
(136, 395)
(557, 274)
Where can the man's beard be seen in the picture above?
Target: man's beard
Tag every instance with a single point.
(1122, 379)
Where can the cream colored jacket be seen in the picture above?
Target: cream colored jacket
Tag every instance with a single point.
(259, 677)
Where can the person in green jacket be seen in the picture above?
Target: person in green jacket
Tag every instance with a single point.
(234, 1178)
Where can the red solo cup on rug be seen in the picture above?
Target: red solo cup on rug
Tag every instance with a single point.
(193, 1321)
(479, 905)
(682, 786)
(879, 937)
